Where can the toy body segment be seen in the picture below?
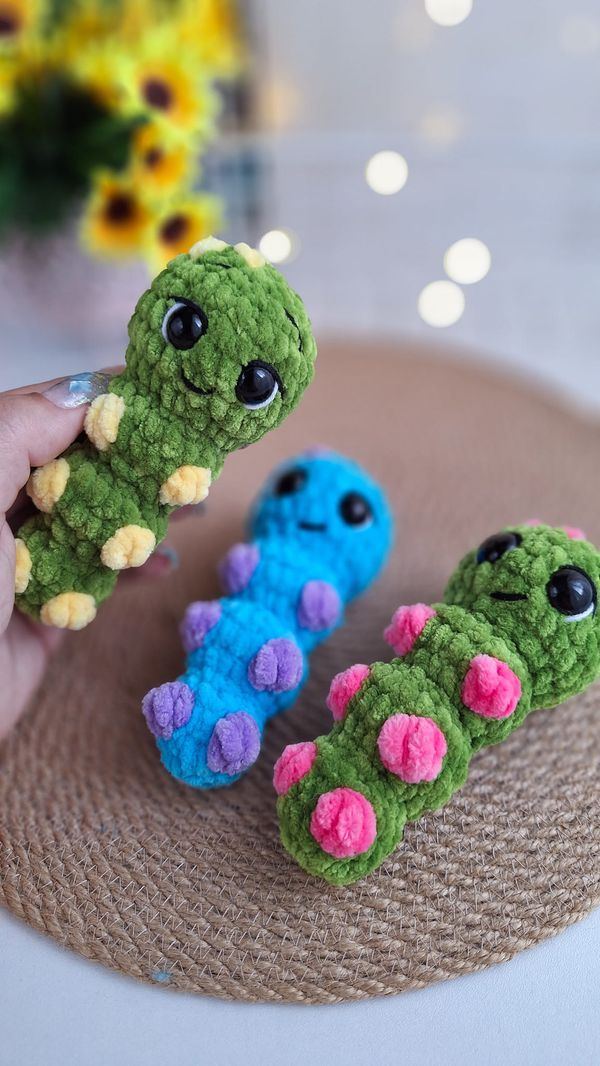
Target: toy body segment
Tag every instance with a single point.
(518, 632)
(220, 351)
(248, 653)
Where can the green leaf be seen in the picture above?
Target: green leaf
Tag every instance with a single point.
(51, 144)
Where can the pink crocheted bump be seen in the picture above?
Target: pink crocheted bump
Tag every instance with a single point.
(406, 626)
(292, 765)
(344, 686)
(343, 823)
(412, 747)
(491, 688)
(574, 533)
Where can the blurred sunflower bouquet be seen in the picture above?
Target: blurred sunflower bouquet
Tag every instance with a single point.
(105, 108)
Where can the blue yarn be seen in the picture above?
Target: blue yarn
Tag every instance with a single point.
(298, 537)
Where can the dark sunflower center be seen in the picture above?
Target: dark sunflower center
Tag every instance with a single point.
(120, 208)
(9, 23)
(153, 157)
(173, 229)
(157, 94)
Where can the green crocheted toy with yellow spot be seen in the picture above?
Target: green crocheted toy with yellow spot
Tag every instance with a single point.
(517, 631)
(220, 352)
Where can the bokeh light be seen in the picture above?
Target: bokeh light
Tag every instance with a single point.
(441, 303)
(277, 245)
(448, 12)
(441, 125)
(386, 172)
(467, 261)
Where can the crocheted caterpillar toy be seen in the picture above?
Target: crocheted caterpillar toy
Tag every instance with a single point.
(220, 352)
(321, 530)
(517, 631)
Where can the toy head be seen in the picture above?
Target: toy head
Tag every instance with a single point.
(221, 340)
(539, 588)
(331, 508)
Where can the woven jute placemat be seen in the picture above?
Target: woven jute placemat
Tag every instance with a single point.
(101, 849)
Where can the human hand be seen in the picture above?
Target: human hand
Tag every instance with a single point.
(37, 423)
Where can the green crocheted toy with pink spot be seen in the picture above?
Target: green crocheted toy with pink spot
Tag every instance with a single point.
(517, 631)
(220, 351)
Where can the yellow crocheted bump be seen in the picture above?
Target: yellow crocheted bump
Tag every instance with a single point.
(22, 566)
(208, 244)
(253, 258)
(187, 485)
(69, 610)
(103, 419)
(129, 546)
(47, 484)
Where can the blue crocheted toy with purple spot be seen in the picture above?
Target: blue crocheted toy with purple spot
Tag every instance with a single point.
(320, 532)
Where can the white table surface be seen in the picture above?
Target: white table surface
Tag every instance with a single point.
(541, 1009)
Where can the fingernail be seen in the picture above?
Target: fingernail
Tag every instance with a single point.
(165, 551)
(80, 389)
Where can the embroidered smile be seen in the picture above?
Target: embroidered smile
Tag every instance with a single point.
(194, 388)
(509, 597)
(313, 527)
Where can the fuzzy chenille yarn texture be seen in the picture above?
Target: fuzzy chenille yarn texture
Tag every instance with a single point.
(220, 352)
(320, 531)
(517, 631)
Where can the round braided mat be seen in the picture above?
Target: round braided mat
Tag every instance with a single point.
(101, 849)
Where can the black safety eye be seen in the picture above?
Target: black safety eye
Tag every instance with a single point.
(355, 510)
(290, 482)
(496, 546)
(572, 593)
(184, 324)
(258, 385)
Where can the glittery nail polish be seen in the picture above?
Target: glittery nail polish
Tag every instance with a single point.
(77, 390)
(166, 551)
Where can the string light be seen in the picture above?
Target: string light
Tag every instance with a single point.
(277, 245)
(441, 303)
(467, 261)
(448, 12)
(386, 172)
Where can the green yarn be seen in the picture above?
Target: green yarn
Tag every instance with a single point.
(553, 652)
(249, 314)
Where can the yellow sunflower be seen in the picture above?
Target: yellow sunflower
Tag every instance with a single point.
(181, 225)
(211, 28)
(161, 163)
(165, 82)
(117, 219)
(86, 24)
(137, 16)
(19, 20)
(9, 71)
(99, 70)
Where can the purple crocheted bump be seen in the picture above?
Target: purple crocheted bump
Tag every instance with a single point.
(234, 744)
(167, 708)
(277, 666)
(320, 606)
(238, 566)
(198, 620)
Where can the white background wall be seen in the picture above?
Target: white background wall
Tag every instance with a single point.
(498, 119)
